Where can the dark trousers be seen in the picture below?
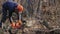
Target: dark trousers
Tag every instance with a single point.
(4, 16)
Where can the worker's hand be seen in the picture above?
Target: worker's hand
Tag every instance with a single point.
(13, 25)
(18, 24)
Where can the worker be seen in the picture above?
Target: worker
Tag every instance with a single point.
(9, 7)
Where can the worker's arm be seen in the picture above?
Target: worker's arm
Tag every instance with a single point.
(18, 14)
(20, 10)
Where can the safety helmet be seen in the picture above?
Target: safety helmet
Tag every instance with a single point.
(20, 8)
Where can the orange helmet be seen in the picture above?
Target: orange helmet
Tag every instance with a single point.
(20, 8)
